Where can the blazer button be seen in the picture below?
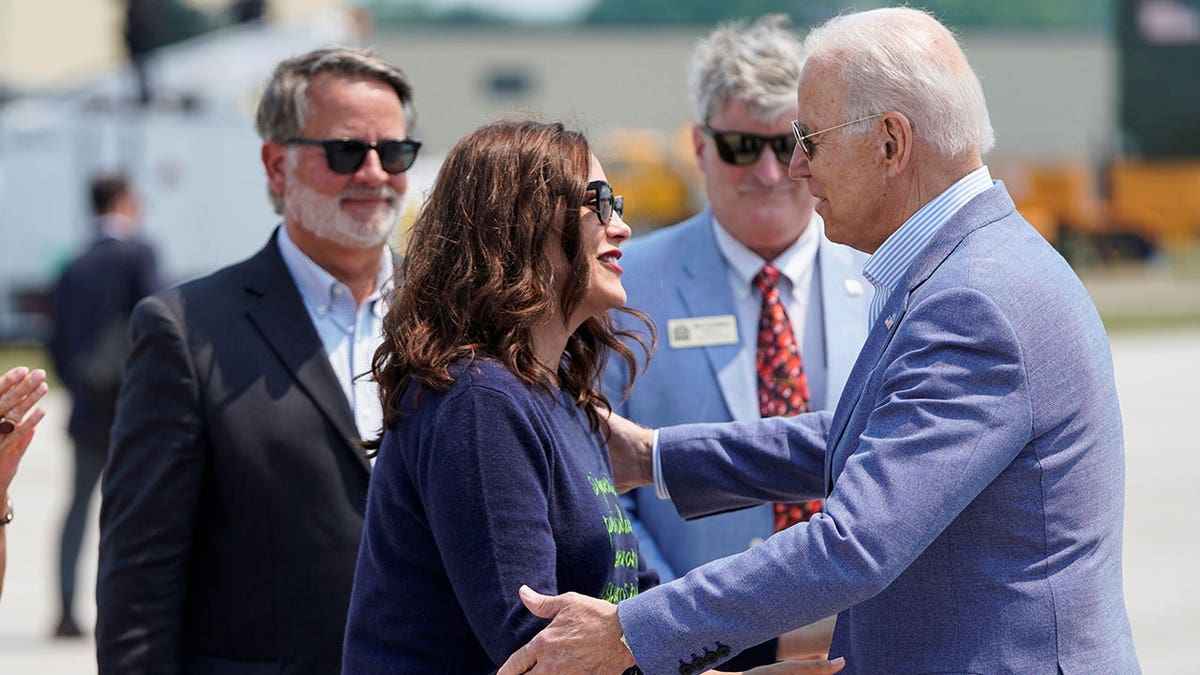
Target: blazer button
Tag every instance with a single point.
(723, 650)
(710, 657)
(685, 668)
(698, 664)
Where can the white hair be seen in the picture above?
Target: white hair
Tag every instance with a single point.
(757, 65)
(905, 60)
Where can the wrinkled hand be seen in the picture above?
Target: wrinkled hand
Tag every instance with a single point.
(631, 448)
(20, 390)
(584, 636)
(795, 668)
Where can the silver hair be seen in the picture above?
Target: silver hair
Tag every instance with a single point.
(757, 65)
(284, 102)
(896, 59)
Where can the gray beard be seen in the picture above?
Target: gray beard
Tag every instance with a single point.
(321, 216)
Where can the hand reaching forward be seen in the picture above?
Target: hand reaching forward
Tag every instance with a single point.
(630, 447)
(20, 390)
(584, 636)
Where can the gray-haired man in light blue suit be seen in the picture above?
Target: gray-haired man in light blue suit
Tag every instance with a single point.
(974, 466)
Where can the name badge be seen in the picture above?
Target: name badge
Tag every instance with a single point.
(702, 331)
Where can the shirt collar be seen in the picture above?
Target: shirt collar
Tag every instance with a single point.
(744, 264)
(891, 260)
(317, 286)
(114, 226)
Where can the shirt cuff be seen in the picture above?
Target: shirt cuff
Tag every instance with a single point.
(660, 484)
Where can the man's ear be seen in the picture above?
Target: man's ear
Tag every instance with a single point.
(274, 159)
(699, 139)
(897, 142)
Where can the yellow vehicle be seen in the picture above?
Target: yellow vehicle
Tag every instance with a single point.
(658, 182)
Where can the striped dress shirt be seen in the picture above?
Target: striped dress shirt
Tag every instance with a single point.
(887, 266)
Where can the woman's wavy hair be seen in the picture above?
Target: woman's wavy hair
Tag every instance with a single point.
(475, 279)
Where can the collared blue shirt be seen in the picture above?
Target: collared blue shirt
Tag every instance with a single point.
(887, 266)
(350, 332)
(799, 291)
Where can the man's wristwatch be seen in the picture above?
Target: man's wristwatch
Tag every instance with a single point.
(8, 512)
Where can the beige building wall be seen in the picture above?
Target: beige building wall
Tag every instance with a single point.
(47, 43)
(1050, 95)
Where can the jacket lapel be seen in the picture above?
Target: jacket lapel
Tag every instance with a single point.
(988, 207)
(703, 288)
(275, 308)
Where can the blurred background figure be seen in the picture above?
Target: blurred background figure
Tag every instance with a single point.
(20, 390)
(92, 303)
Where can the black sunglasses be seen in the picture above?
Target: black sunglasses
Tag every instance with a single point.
(346, 155)
(605, 202)
(742, 149)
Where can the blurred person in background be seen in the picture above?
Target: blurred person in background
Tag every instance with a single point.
(761, 314)
(234, 495)
(92, 302)
(20, 390)
(974, 468)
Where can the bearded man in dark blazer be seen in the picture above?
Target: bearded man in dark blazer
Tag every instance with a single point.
(234, 494)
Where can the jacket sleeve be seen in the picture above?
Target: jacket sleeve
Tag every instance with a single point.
(950, 412)
(150, 491)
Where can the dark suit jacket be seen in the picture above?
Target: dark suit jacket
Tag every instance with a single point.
(234, 495)
(95, 293)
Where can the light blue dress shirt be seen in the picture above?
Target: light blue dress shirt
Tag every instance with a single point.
(886, 267)
(349, 332)
(799, 291)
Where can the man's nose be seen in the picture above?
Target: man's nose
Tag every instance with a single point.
(371, 171)
(768, 167)
(798, 168)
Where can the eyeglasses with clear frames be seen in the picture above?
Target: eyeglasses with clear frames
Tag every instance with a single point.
(806, 146)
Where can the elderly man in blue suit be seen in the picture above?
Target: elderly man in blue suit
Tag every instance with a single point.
(696, 280)
(973, 469)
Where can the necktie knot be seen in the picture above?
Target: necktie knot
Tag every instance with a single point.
(767, 278)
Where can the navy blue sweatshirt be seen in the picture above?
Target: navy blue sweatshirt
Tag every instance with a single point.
(483, 487)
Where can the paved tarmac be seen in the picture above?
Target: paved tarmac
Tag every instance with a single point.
(1157, 375)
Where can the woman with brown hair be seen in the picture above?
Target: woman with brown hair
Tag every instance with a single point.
(491, 471)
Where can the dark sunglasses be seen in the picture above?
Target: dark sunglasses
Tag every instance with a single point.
(346, 155)
(605, 202)
(742, 149)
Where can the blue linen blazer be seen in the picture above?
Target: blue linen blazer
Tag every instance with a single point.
(975, 477)
(679, 272)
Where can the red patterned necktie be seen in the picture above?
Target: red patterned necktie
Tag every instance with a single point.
(782, 386)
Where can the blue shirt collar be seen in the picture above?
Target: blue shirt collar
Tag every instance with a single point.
(319, 288)
(887, 266)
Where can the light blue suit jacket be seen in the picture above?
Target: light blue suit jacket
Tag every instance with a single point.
(679, 272)
(975, 477)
